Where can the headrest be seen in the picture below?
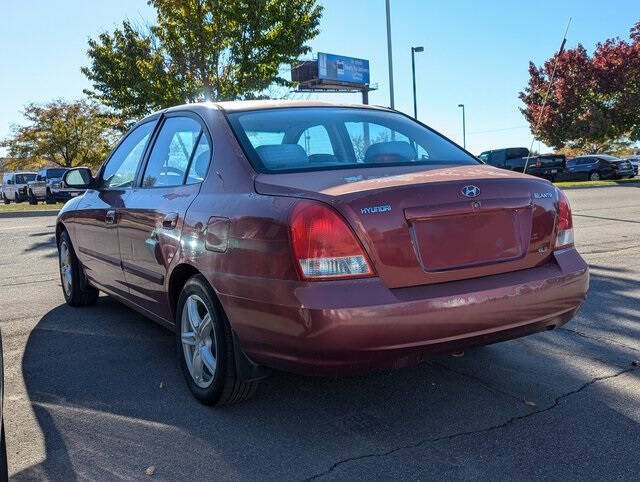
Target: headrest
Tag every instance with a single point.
(392, 148)
(282, 155)
(319, 158)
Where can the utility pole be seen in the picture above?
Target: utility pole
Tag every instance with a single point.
(413, 71)
(464, 128)
(390, 56)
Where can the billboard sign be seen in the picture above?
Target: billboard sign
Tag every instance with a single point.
(342, 69)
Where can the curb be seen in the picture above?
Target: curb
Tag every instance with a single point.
(28, 214)
(622, 184)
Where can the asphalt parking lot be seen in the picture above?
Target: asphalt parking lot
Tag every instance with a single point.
(95, 393)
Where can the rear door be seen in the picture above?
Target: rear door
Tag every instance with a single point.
(99, 210)
(153, 214)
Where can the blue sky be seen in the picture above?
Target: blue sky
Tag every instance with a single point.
(476, 53)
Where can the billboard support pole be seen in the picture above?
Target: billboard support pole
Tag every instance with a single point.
(390, 56)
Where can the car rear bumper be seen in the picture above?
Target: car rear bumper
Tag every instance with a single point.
(354, 326)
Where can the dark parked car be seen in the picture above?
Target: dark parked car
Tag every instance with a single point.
(598, 166)
(276, 234)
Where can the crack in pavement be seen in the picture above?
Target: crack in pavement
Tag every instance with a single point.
(30, 282)
(478, 380)
(508, 422)
(596, 338)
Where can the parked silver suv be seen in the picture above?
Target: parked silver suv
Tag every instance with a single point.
(14, 186)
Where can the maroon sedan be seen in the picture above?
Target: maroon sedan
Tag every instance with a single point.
(315, 238)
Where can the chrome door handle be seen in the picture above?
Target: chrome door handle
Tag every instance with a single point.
(170, 221)
(110, 217)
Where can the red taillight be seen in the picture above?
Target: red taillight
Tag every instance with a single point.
(324, 246)
(564, 225)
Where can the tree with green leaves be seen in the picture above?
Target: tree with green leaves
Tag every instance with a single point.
(199, 50)
(67, 134)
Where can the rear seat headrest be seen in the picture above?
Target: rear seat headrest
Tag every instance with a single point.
(282, 155)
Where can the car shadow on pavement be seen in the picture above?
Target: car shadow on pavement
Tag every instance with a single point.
(111, 402)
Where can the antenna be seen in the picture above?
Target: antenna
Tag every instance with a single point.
(546, 94)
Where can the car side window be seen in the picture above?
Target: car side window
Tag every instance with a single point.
(200, 162)
(120, 170)
(172, 152)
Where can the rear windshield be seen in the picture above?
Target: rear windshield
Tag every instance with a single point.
(324, 138)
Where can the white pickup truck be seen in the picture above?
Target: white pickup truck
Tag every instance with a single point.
(45, 185)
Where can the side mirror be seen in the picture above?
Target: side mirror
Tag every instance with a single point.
(79, 178)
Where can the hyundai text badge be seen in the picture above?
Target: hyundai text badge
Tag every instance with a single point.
(470, 191)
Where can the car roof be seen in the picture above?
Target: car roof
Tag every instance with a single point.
(606, 157)
(247, 105)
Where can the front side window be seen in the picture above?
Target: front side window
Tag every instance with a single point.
(121, 168)
(171, 153)
(24, 178)
(298, 139)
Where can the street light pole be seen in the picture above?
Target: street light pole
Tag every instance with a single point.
(389, 55)
(464, 133)
(413, 70)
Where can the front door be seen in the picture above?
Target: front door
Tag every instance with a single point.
(99, 211)
(151, 223)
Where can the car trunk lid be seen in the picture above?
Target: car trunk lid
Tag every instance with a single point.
(430, 225)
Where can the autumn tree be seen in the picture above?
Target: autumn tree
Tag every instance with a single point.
(594, 102)
(199, 50)
(68, 134)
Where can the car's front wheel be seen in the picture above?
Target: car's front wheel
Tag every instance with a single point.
(50, 199)
(75, 288)
(594, 176)
(205, 347)
(32, 199)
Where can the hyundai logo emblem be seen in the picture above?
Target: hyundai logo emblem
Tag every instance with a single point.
(470, 191)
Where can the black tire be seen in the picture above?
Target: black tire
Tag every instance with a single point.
(50, 199)
(32, 199)
(594, 176)
(6, 201)
(4, 467)
(225, 387)
(79, 293)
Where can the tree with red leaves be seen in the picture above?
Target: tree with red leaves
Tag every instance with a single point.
(594, 102)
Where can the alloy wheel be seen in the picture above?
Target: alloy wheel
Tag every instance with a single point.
(65, 268)
(198, 341)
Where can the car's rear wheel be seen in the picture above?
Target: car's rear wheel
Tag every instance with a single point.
(205, 347)
(594, 176)
(75, 288)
